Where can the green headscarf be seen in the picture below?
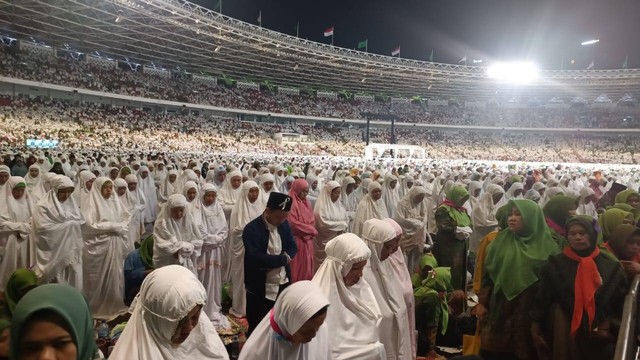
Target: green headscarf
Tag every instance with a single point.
(146, 251)
(623, 196)
(609, 220)
(457, 195)
(438, 281)
(66, 302)
(425, 260)
(558, 207)
(20, 185)
(513, 259)
(21, 281)
(4, 325)
(619, 239)
(515, 179)
(621, 203)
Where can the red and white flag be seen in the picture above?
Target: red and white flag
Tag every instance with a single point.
(396, 51)
(328, 32)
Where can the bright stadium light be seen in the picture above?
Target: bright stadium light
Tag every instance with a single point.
(514, 72)
(590, 42)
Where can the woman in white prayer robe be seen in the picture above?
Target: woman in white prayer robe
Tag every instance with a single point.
(135, 202)
(314, 190)
(390, 194)
(15, 229)
(167, 322)
(411, 215)
(230, 192)
(57, 235)
(484, 215)
(213, 226)
(35, 183)
(394, 332)
(515, 191)
(294, 329)
(330, 217)
(105, 248)
(354, 315)
(586, 203)
(177, 237)
(190, 192)
(370, 207)
(83, 187)
(267, 186)
(248, 207)
(147, 187)
(167, 188)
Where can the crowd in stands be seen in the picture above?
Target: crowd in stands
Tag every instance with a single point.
(93, 126)
(88, 75)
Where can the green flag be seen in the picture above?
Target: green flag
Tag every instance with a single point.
(626, 60)
(297, 29)
(431, 56)
(363, 44)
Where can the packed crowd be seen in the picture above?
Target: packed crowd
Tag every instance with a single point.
(92, 126)
(310, 257)
(83, 74)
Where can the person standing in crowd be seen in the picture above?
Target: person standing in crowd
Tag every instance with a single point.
(330, 219)
(269, 248)
(105, 248)
(390, 194)
(214, 229)
(20, 283)
(57, 235)
(294, 329)
(167, 321)
(394, 332)
(510, 281)
(15, 229)
(137, 265)
(302, 224)
(411, 215)
(177, 238)
(354, 317)
(580, 295)
(454, 228)
(138, 203)
(370, 207)
(556, 212)
(35, 184)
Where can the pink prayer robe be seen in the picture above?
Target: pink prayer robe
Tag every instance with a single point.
(302, 224)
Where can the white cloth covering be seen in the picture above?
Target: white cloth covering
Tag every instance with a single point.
(228, 196)
(295, 306)
(81, 193)
(136, 203)
(243, 213)
(369, 209)
(268, 177)
(167, 295)
(331, 220)
(35, 184)
(394, 328)
(412, 218)
(586, 209)
(354, 315)
(57, 236)
(167, 187)
(176, 242)
(105, 248)
(214, 230)
(15, 231)
(389, 195)
(148, 189)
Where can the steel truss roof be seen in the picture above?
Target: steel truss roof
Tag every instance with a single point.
(177, 33)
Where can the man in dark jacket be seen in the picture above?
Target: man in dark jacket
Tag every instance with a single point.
(269, 248)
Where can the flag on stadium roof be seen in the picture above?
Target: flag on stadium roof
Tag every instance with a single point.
(328, 32)
(464, 59)
(396, 51)
(592, 65)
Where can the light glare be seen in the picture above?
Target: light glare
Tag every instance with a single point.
(590, 42)
(514, 72)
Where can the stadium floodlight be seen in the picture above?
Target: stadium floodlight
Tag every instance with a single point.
(590, 42)
(514, 72)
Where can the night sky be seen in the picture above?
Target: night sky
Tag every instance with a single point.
(544, 31)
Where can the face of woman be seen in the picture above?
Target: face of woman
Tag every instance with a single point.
(497, 197)
(632, 246)
(89, 184)
(191, 194)
(354, 275)
(393, 184)
(17, 193)
(46, 338)
(132, 186)
(389, 248)
(303, 193)
(236, 181)
(628, 220)
(221, 176)
(186, 325)
(634, 200)
(253, 194)
(113, 174)
(308, 331)
(418, 198)
(177, 212)
(3, 178)
(121, 191)
(314, 185)
(514, 220)
(476, 193)
(144, 174)
(172, 178)
(376, 194)
(267, 186)
(107, 190)
(4, 343)
(578, 237)
(335, 194)
(209, 198)
(409, 184)
(63, 194)
(350, 188)
(541, 192)
(34, 172)
(572, 211)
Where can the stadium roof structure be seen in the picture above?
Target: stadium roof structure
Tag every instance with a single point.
(176, 34)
